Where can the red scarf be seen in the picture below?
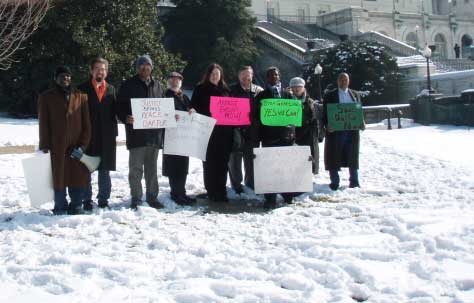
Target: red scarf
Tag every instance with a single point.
(99, 90)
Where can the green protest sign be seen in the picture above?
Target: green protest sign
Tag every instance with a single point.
(281, 112)
(345, 116)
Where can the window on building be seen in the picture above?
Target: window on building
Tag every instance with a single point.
(411, 39)
(440, 42)
(324, 9)
(300, 12)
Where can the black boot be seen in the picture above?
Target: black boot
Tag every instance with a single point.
(87, 205)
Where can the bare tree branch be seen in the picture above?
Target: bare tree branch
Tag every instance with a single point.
(18, 20)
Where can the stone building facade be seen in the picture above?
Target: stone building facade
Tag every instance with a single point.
(438, 23)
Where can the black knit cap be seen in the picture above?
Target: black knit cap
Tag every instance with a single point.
(62, 69)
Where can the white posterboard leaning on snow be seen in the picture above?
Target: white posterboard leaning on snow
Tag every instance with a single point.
(39, 179)
(153, 113)
(190, 137)
(283, 169)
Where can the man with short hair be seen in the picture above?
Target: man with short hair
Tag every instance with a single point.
(64, 131)
(143, 144)
(102, 111)
(341, 148)
(245, 137)
(271, 136)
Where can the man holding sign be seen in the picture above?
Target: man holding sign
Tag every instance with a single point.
(245, 137)
(175, 167)
(281, 133)
(143, 144)
(341, 148)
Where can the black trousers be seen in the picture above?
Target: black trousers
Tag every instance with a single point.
(178, 186)
(217, 158)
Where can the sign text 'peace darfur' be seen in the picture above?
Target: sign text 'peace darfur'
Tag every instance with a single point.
(230, 111)
(281, 112)
(346, 116)
(153, 113)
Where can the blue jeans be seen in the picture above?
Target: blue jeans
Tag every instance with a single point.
(346, 149)
(60, 201)
(105, 187)
(353, 176)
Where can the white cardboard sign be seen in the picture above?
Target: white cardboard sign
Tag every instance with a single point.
(283, 169)
(190, 137)
(149, 113)
(39, 179)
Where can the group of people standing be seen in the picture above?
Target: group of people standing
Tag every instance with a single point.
(83, 120)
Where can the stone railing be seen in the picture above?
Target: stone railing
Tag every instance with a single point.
(448, 65)
(287, 48)
(307, 30)
(397, 47)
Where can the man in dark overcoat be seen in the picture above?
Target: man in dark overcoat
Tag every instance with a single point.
(64, 131)
(102, 111)
(341, 148)
(246, 138)
(143, 144)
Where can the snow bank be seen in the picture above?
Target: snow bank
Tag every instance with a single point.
(405, 236)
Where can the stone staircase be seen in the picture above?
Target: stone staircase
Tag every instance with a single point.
(293, 40)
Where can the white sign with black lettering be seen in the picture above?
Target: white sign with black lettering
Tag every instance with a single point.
(190, 137)
(284, 169)
(149, 113)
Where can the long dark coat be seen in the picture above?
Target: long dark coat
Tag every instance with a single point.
(104, 125)
(333, 156)
(136, 88)
(220, 143)
(174, 165)
(250, 133)
(310, 131)
(63, 127)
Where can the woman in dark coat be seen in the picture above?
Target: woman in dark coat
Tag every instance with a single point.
(220, 143)
(310, 133)
(176, 167)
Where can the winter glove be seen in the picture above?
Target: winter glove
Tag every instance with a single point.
(77, 153)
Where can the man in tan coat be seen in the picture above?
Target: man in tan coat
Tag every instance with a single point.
(64, 131)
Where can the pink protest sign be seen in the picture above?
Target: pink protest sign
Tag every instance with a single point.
(230, 111)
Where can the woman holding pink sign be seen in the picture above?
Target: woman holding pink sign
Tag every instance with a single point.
(220, 143)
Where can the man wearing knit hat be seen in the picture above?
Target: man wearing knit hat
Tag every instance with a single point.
(143, 144)
(64, 131)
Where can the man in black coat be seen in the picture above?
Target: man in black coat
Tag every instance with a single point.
(275, 135)
(176, 167)
(341, 148)
(143, 144)
(245, 137)
(102, 111)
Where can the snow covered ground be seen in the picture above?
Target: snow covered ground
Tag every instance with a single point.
(406, 236)
(25, 132)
